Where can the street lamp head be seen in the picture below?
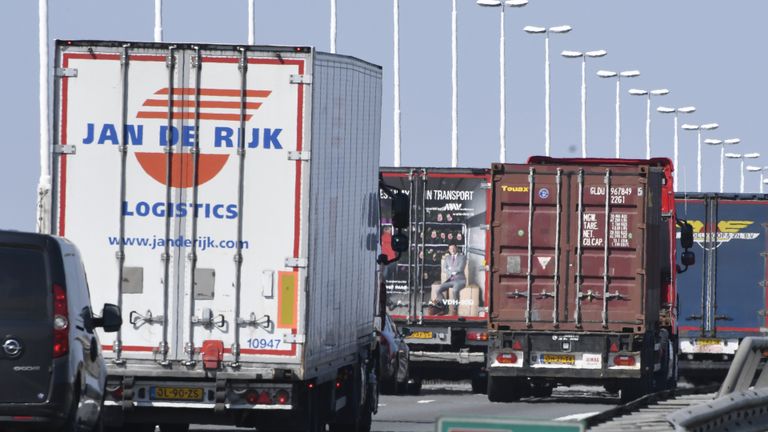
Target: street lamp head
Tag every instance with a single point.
(630, 73)
(561, 29)
(572, 54)
(733, 155)
(516, 3)
(637, 92)
(710, 126)
(665, 110)
(534, 29)
(660, 92)
(712, 141)
(752, 155)
(489, 3)
(690, 127)
(606, 74)
(752, 168)
(686, 110)
(597, 53)
(732, 141)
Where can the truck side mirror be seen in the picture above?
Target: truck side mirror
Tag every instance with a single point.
(399, 243)
(686, 235)
(400, 210)
(688, 258)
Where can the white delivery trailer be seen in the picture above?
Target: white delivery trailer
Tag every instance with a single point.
(226, 198)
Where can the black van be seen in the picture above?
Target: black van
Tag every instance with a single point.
(52, 374)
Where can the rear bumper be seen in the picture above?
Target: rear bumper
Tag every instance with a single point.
(460, 357)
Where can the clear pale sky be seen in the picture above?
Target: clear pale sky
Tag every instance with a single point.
(708, 53)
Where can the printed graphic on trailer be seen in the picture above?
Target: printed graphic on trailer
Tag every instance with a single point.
(162, 176)
(454, 214)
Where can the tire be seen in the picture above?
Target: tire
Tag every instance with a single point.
(174, 427)
(363, 421)
(479, 383)
(636, 389)
(504, 389)
(413, 386)
(541, 391)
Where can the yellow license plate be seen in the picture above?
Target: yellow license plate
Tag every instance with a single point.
(176, 393)
(421, 335)
(559, 359)
(709, 342)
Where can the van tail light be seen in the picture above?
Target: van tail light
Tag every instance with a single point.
(477, 336)
(506, 358)
(264, 399)
(624, 360)
(60, 322)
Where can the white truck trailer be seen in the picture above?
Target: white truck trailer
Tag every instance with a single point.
(226, 198)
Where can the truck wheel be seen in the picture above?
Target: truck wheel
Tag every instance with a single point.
(479, 383)
(174, 427)
(504, 389)
(541, 390)
(414, 386)
(636, 389)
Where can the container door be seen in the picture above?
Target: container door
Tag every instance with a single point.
(738, 297)
(241, 254)
(555, 232)
(26, 341)
(448, 208)
(115, 198)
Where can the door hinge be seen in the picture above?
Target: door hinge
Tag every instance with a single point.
(298, 155)
(66, 72)
(296, 262)
(301, 79)
(64, 149)
(294, 338)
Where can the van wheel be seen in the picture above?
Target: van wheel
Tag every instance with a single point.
(413, 387)
(479, 383)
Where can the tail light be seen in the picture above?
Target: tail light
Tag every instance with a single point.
(477, 336)
(252, 397)
(282, 397)
(264, 399)
(60, 322)
(506, 358)
(624, 360)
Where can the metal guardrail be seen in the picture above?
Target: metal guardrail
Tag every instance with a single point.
(739, 406)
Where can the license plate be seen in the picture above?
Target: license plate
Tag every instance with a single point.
(706, 342)
(176, 393)
(559, 359)
(421, 335)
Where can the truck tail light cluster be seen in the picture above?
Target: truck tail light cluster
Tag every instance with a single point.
(506, 358)
(477, 336)
(267, 397)
(60, 322)
(624, 360)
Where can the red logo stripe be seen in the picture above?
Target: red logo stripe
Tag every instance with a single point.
(184, 115)
(185, 91)
(203, 104)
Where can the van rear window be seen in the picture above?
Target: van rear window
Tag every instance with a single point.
(24, 290)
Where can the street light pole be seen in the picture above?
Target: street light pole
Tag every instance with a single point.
(722, 144)
(158, 20)
(396, 74)
(676, 111)
(741, 158)
(454, 91)
(333, 26)
(502, 69)
(44, 183)
(583, 56)
(547, 115)
(751, 168)
(618, 76)
(698, 129)
(648, 94)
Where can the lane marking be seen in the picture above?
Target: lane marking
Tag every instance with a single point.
(425, 401)
(577, 417)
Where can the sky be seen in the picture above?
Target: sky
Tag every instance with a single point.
(707, 53)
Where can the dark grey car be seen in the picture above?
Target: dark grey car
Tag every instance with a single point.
(52, 373)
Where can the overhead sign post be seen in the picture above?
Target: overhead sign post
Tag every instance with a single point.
(470, 424)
